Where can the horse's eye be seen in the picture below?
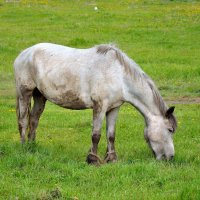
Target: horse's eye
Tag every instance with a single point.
(171, 130)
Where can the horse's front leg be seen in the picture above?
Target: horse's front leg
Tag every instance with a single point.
(98, 116)
(111, 117)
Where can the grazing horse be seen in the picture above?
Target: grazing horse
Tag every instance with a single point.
(101, 78)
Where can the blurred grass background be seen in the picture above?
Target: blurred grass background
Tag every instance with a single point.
(161, 36)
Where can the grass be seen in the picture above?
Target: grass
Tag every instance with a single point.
(162, 36)
(56, 163)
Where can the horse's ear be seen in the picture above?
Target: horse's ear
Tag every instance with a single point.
(169, 112)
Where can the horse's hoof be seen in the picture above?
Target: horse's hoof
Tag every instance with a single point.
(110, 157)
(93, 159)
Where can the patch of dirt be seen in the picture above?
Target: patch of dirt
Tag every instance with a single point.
(183, 100)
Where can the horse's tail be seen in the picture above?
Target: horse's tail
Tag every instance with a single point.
(29, 113)
(18, 114)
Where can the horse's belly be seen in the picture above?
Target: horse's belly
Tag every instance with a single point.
(65, 89)
(71, 100)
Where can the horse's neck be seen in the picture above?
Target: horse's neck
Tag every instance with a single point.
(140, 95)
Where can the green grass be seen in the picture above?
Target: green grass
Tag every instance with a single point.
(57, 161)
(163, 37)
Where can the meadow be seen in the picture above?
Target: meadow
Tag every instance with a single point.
(163, 38)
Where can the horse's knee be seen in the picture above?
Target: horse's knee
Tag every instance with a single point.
(111, 139)
(96, 137)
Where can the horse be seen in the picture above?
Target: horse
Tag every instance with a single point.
(101, 78)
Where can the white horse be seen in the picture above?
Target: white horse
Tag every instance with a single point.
(101, 78)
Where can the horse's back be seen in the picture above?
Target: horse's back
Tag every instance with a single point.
(41, 58)
(69, 77)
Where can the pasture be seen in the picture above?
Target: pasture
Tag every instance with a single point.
(163, 38)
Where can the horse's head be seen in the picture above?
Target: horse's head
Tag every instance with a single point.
(159, 135)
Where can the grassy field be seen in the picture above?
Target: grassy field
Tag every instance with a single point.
(163, 38)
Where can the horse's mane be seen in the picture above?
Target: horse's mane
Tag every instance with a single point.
(135, 71)
(120, 56)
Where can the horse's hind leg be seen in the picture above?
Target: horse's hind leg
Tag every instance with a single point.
(38, 108)
(23, 111)
(111, 117)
